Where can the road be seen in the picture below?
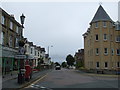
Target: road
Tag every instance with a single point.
(70, 78)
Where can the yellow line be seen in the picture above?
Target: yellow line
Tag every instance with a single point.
(37, 80)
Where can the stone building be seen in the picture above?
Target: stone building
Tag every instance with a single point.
(102, 42)
(79, 58)
(11, 32)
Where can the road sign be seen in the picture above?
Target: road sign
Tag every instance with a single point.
(20, 56)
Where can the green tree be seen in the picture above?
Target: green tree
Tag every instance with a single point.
(70, 60)
(64, 64)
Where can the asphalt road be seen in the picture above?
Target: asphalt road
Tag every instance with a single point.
(12, 83)
(70, 78)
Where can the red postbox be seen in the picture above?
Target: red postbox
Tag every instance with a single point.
(28, 72)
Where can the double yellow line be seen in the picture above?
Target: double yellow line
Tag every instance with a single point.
(37, 80)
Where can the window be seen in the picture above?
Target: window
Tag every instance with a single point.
(105, 51)
(17, 29)
(105, 36)
(96, 37)
(96, 25)
(112, 51)
(118, 51)
(104, 24)
(35, 53)
(38, 53)
(106, 64)
(11, 25)
(117, 27)
(16, 42)
(111, 37)
(3, 20)
(2, 38)
(118, 64)
(10, 41)
(97, 51)
(118, 38)
(25, 48)
(97, 64)
(31, 50)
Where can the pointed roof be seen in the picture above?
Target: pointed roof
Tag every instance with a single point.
(101, 15)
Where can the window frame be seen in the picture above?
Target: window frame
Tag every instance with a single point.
(3, 20)
(117, 38)
(11, 25)
(31, 51)
(97, 64)
(97, 51)
(118, 51)
(105, 51)
(104, 24)
(118, 64)
(106, 64)
(105, 37)
(96, 37)
(10, 41)
(112, 51)
(96, 24)
(16, 42)
(17, 29)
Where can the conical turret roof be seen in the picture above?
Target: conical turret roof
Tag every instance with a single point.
(101, 15)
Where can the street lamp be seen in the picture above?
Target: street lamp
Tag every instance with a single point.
(21, 54)
(48, 49)
(22, 18)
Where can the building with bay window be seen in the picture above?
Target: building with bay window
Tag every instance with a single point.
(102, 42)
(10, 34)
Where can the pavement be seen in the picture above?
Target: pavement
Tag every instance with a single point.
(10, 76)
(95, 74)
(10, 82)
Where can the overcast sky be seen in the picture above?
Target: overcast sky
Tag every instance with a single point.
(60, 24)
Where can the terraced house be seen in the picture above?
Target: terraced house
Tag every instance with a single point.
(10, 34)
(102, 42)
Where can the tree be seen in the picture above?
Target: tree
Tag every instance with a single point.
(40, 61)
(70, 60)
(64, 64)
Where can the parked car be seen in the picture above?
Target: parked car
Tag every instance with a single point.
(57, 67)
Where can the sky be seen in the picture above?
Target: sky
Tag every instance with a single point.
(58, 24)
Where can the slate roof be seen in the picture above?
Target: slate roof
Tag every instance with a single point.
(101, 15)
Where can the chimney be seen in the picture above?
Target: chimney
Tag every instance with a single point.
(12, 16)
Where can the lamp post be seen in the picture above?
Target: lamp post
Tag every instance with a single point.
(21, 55)
(22, 18)
(48, 49)
(49, 53)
